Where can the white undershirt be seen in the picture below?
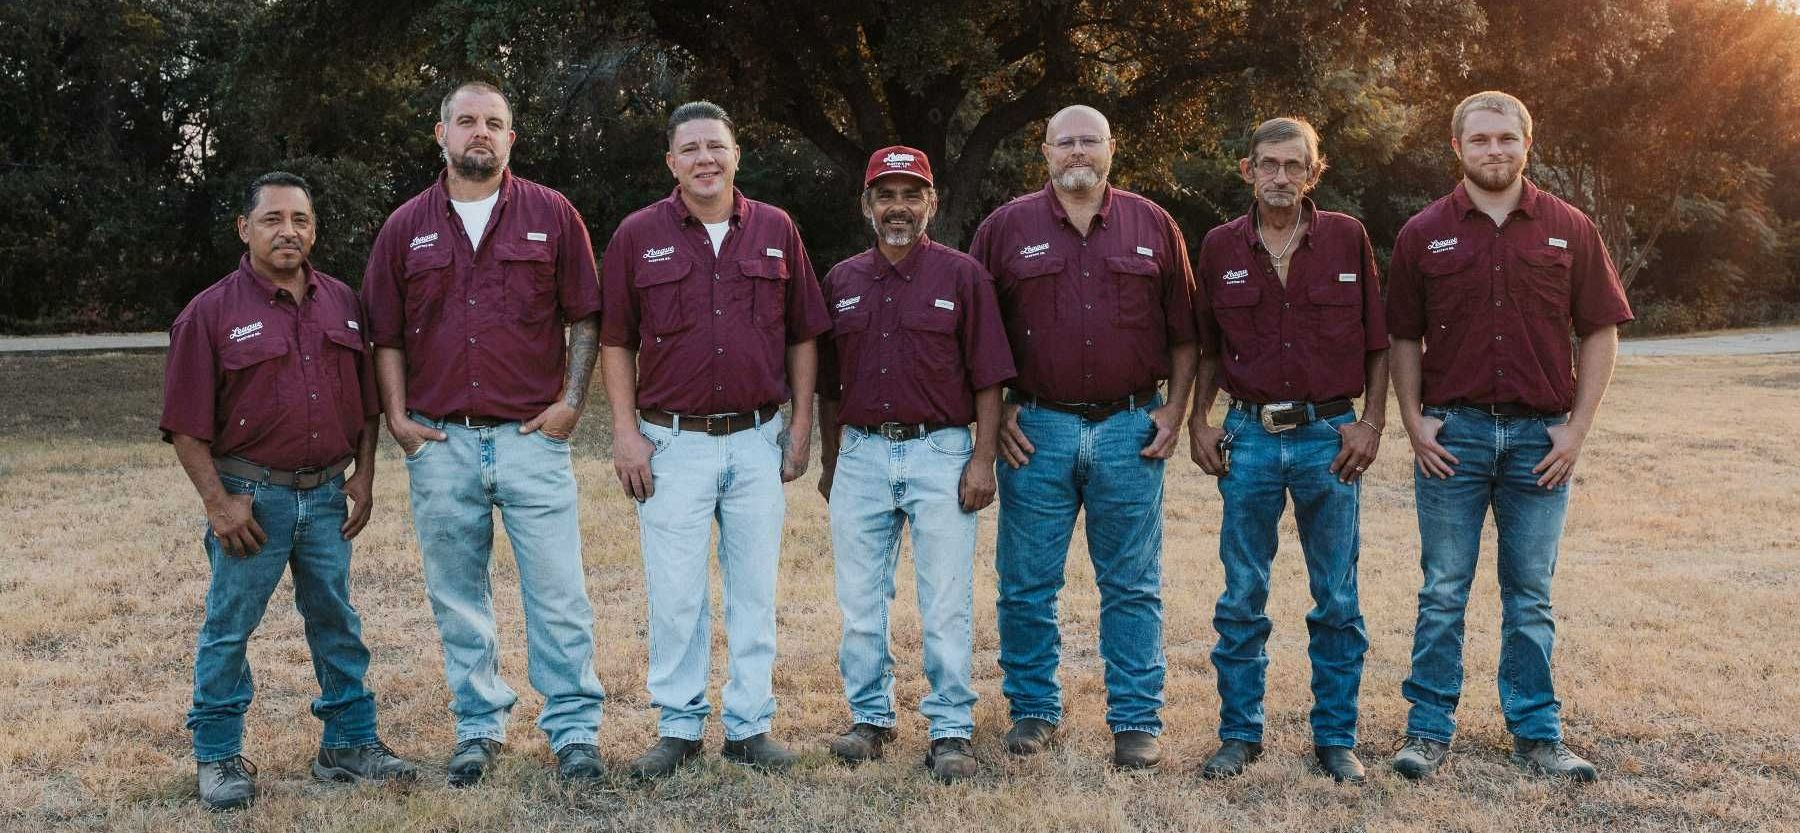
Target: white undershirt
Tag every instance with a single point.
(717, 232)
(475, 216)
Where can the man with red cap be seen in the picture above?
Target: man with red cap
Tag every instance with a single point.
(917, 351)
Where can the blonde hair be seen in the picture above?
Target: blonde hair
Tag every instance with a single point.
(1496, 101)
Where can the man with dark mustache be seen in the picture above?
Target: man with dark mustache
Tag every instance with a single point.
(1288, 308)
(1094, 288)
(916, 351)
(468, 288)
(268, 398)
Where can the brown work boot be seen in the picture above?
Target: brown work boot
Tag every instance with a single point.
(862, 743)
(227, 785)
(1230, 760)
(1551, 757)
(1030, 736)
(471, 761)
(1136, 750)
(1340, 762)
(361, 764)
(760, 751)
(664, 757)
(950, 759)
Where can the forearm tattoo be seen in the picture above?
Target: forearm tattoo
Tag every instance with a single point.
(584, 348)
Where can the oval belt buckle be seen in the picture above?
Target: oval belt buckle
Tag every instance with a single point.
(1271, 411)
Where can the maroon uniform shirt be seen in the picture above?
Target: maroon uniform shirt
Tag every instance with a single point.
(1494, 304)
(282, 382)
(1089, 319)
(1304, 342)
(481, 328)
(711, 331)
(911, 341)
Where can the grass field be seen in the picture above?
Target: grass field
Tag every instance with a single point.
(1678, 657)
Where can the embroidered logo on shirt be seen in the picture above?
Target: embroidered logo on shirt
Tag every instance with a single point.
(1145, 251)
(659, 255)
(1235, 275)
(1441, 245)
(351, 325)
(847, 304)
(537, 235)
(246, 332)
(943, 304)
(1346, 277)
(1034, 251)
(1559, 243)
(772, 252)
(424, 241)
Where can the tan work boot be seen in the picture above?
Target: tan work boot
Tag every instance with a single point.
(862, 743)
(1551, 757)
(227, 785)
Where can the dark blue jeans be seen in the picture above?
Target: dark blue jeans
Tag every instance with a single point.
(1496, 454)
(302, 525)
(1265, 469)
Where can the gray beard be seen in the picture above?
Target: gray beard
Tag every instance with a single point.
(1078, 179)
(899, 239)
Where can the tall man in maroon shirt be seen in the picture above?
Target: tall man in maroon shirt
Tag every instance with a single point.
(1484, 289)
(916, 351)
(267, 398)
(1288, 308)
(468, 288)
(1095, 289)
(711, 312)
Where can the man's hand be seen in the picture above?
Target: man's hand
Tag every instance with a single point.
(361, 492)
(557, 421)
(1558, 466)
(796, 453)
(631, 461)
(232, 523)
(412, 435)
(1432, 459)
(1203, 447)
(1358, 444)
(1167, 419)
(978, 484)
(1013, 446)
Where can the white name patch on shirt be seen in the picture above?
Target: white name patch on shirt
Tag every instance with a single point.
(1346, 277)
(1145, 251)
(537, 235)
(772, 252)
(943, 304)
(1559, 243)
(351, 325)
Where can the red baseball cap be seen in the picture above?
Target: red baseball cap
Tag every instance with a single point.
(898, 159)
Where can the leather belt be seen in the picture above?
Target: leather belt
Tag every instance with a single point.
(467, 420)
(306, 478)
(1096, 411)
(900, 431)
(1500, 409)
(714, 425)
(1277, 417)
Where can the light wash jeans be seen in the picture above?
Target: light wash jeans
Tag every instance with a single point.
(1265, 469)
(1496, 456)
(735, 480)
(302, 525)
(456, 485)
(1094, 465)
(880, 485)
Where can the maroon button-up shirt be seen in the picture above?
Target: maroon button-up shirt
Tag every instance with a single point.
(1089, 319)
(711, 331)
(282, 382)
(1494, 304)
(1304, 342)
(481, 328)
(912, 341)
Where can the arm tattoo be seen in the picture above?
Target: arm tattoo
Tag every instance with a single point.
(584, 347)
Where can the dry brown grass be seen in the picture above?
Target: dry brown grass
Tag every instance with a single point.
(1678, 657)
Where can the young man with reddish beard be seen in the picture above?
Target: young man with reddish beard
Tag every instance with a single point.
(1484, 289)
(916, 352)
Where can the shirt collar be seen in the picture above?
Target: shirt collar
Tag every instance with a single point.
(1056, 206)
(1528, 199)
(907, 265)
(739, 205)
(442, 189)
(1308, 211)
(266, 289)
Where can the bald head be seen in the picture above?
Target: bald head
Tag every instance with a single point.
(1077, 120)
(1078, 147)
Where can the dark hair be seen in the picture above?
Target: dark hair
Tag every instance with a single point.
(696, 111)
(477, 86)
(276, 178)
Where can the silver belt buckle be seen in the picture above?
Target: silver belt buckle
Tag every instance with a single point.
(1274, 409)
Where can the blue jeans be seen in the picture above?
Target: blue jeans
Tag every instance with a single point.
(302, 525)
(1265, 469)
(879, 486)
(456, 484)
(1496, 454)
(735, 480)
(1093, 464)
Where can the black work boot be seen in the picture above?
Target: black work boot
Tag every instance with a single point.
(662, 759)
(1230, 760)
(1340, 762)
(361, 764)
(759, 751)
(1551, 757)
(471, 761)
(1030, 736)
(1420, 757)
(1136, 750)
(579, 761)
(227, 785)
(862, 743)
(950, 759)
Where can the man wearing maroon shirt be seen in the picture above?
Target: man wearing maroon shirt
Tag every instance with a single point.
(1094, 288)
(468, 288)
(711, 312)
(1288, 308)
(1484, 289)
(916, 351)
(267, 397)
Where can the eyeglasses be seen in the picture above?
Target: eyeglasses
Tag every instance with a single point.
(1068, 143)
(1297, 171)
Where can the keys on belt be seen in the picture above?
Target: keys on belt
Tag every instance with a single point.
(1277, 417)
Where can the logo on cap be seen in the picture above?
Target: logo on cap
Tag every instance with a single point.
(899, 160)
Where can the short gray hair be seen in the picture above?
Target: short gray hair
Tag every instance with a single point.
(1283, 128)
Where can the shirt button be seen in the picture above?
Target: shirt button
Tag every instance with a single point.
(313, 395)
(715, 276)
(1496, 302)
(474, 384)
(884, 371)
(659, 339)
(1084, 273)
(887, 299)
(240, 422)
(1499, 338)
(718, 312)
(718, 351)
(315, 435)
(1089, 342)
(884, 335)
(1499, 373)
(471, 302)
(418, 330)
(1284, 305)
(1287, 345)
(886, 405)
(1087, 306)
(471, 339)
(1496, 267)
(1287, 384)
(306, 358)
(718, 387)
(1087, 375)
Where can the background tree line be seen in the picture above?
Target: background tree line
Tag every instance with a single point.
(129, 127)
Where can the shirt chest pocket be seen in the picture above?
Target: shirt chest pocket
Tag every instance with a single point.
(1336, 308)
(529, 271)
(1135, 281)
(768, 281)
(428, 274)
(659, 288)
(253, 376)
(1032, 290)
(1540, 282)
(931, 336)
(1234, 307)
(342, 353)
(1454, 287)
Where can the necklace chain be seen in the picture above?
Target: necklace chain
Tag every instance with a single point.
(1292, 236)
